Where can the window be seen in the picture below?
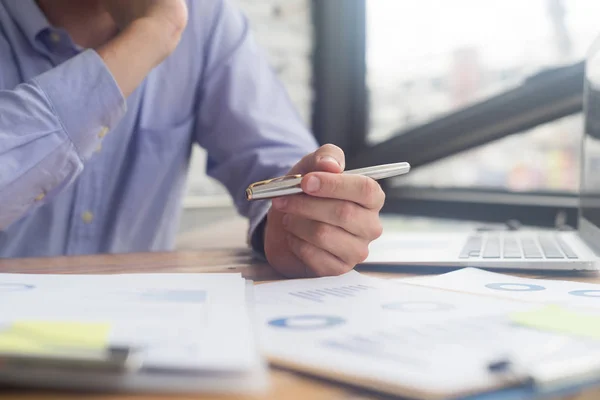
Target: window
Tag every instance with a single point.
(545, 158)
(428, 58)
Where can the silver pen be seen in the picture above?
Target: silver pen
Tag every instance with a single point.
(290, 184)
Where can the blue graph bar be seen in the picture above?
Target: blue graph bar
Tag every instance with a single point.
(306, 297)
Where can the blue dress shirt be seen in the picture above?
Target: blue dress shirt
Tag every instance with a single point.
(83, 170)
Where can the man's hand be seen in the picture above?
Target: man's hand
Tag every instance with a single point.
(150, 30)
(327, 229)
(171, 14)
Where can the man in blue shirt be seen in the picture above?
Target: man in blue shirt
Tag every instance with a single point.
(100, 103)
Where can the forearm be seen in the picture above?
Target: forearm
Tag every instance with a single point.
(136, 51)
(49, 127)
(246, 120)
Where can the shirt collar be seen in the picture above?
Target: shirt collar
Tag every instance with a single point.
(29, 17)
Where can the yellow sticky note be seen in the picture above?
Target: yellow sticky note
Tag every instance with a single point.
(561, 320)
(49, 337)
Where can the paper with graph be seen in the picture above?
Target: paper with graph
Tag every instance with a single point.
(197, 323)
(403, 339)
(478, 281)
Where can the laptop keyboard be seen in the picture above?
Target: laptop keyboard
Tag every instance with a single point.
(535, 247)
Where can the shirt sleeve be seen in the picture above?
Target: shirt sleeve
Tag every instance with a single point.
(247, 123)
(49, 127)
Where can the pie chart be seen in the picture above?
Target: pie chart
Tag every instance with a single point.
(586, 293)
(515, 287)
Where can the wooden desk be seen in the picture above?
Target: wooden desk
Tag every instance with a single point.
(284, 384)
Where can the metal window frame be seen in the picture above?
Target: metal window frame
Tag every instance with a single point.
(340, 103)
(546, 97)
(542, 209)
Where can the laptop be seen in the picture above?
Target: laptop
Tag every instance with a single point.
(522, 249)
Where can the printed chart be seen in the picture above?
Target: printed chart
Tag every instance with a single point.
(514, 287)
(585, 293)
(329, 291)
(417, 306)
(307, 322)
(171, 296)
(481, 282)
(15, 287)
(321, 295)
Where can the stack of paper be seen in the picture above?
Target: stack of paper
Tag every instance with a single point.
(191, 332)
(429, 338)
(410, 340)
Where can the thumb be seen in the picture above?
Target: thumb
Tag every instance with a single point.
(328, 158)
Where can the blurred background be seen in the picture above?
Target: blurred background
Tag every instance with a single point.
(424, 63)
(482, 97)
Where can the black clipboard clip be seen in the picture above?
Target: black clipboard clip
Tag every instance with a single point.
(113, 359)
(549, 375)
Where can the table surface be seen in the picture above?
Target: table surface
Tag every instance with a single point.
(284, 384)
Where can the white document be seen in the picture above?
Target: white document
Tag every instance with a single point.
(477, 281)
(197, 324)
(398, 338)
(368, 297)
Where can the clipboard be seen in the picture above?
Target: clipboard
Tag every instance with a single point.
(468, 355)
(121, 370)
(113, 359)
(509, 388)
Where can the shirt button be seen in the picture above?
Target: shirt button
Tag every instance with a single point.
(103, 132)
(55, 37)
(40, 196)
(87, 217)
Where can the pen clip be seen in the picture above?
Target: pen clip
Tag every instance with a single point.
(250, 189)
(274, 180)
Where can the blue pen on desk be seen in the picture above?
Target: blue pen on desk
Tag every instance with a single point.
(290, 184)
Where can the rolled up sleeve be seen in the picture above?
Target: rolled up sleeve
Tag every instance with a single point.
(49, 127)
(247, 122)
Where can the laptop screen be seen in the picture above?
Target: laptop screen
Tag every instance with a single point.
(590, 162)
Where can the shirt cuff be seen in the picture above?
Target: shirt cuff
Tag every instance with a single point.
(258, 220)
(85, 98)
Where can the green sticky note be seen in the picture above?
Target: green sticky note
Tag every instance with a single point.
(561, 320)
(53, 337)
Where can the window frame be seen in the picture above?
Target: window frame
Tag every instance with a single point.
(539, 209)
(340, 104)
